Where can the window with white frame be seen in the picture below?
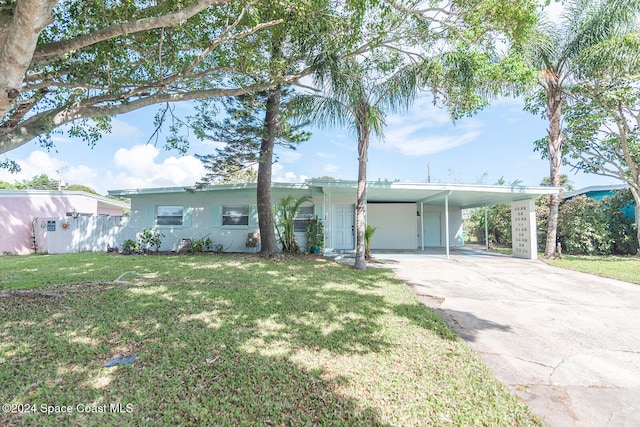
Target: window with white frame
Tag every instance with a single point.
(235, 215)
(169, 215)
(301, 220)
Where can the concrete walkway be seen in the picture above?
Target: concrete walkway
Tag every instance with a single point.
(568, 343)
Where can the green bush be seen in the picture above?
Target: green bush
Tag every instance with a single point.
(542, 221)
(315, 235)
(151, 238)
(498, 224)
(285, 213)
(201, 245)
(621, 227)
(368, 234)
(583, 227)
(130, 246)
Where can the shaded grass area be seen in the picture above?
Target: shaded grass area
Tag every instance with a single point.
(233, 340)
(622, 268)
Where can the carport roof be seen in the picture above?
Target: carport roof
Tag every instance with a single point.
(460, 195)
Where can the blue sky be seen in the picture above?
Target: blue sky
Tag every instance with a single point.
(495, 143)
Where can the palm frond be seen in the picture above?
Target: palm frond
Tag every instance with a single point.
(592, 22)
(618, 55)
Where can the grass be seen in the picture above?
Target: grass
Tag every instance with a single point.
(622, 268)
(232, 340)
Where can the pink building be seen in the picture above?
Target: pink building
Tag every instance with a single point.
(29, 215)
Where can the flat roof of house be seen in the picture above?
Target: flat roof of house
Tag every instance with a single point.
(102, 201)
(460, 195)
(595, 188)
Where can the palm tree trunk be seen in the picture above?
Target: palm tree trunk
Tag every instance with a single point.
(361, 203)
(269, 243)
(554, 113)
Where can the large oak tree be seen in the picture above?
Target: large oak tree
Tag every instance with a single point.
(65, 62)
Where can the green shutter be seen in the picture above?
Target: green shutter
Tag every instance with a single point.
(253, 216)
(318, 212)
(216, 216)
(186, 216)
(151, 216)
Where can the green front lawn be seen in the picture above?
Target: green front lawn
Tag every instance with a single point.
(621, 268)
(232, 340)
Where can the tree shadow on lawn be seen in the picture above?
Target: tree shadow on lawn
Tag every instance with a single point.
(466, 325)
(210, 351)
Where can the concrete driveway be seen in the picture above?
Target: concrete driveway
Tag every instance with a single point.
(568, 343)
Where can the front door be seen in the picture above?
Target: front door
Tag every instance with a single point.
(344, 227)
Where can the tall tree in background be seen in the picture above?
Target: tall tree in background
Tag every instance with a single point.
(249, 141)
(561, 53)
(242, 131)
(603, 115)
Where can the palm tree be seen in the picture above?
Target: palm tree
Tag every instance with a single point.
(560, 52)
(359, 95)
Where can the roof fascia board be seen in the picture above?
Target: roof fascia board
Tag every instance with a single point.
(585, 190)
(54, 193)
(214, 187)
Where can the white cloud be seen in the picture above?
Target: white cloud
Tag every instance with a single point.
(142, 170)
(422, 114)
(432, 144)
(137, 167)
(419, 131)
(39, 162)
(288, 156)
(82, 175)
(325, 155)
(426, 129)
(329, 168)
(278, 174)
(120, 130)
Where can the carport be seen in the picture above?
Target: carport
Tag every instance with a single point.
(438, 207)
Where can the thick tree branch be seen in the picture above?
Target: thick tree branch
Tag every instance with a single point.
(44, 52)
(30, 17)
(33, 126)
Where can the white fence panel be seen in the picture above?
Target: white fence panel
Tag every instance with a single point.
(82, 234)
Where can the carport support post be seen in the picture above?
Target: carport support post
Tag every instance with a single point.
(523, 229)
(486, 230)
(422, 224)
(446, 223)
